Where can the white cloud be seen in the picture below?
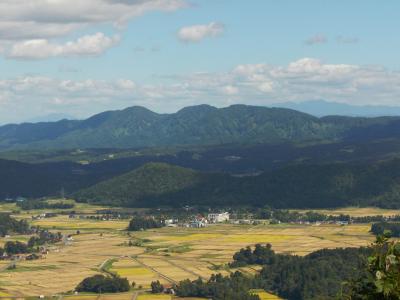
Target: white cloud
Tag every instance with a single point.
(197, 33)
(256, 84)
(37, 19)
(316, 39)
(86, 45)
(34, 24)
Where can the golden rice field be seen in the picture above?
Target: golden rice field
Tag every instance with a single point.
(65, 223)
(167, 254)
(264, 295)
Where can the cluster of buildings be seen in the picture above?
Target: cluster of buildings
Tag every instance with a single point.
(200, 221)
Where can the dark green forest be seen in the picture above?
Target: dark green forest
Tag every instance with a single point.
(300, 186)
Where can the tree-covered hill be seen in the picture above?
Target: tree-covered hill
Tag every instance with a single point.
(301, 186)
(148, 181)
(197, 125)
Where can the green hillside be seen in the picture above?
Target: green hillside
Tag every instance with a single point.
(301, 186)
(149, 181)
(197, 125)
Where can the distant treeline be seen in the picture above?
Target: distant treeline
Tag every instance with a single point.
(318, 275)
(10, 225)
(42, 204)
(381, 227)
(286, 216)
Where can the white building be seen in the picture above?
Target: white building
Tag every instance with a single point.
(218, 217)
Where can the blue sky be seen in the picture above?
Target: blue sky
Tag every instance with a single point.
(60, 56)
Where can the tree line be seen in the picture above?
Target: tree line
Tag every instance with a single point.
(42, 204)
(10, 225)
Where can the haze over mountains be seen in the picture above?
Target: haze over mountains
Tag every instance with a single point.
(196, 125)
(320, 108)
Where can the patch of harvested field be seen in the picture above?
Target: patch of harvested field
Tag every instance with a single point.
(65, 223)
(82, 297)
(264, 295)
(154, 297)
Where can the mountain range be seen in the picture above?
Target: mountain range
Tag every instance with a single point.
(137, 127)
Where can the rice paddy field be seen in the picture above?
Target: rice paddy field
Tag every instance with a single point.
(166, 254)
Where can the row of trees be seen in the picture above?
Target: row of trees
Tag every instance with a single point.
(41, 204)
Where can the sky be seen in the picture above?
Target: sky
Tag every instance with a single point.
(82, 57)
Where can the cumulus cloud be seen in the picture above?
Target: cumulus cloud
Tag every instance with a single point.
(35, 23)
(197, 33)
(316, 39)
(256, 84)
(41, 48)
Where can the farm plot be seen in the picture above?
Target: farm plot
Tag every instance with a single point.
(83, 225)
(65, 266)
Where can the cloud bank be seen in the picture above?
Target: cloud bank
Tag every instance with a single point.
(256, 84)
(27, 26)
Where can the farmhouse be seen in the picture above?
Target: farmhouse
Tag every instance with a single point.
(218, 217)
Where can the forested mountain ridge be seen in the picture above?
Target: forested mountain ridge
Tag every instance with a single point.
(196, 125)
(299, 186)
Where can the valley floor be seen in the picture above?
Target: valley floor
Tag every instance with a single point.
(167, 254)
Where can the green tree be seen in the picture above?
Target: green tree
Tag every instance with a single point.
(382, 280)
